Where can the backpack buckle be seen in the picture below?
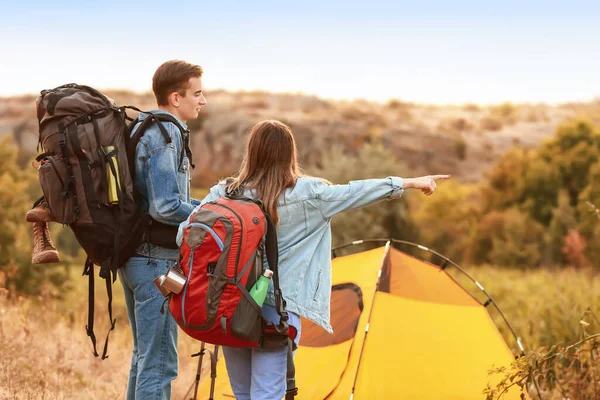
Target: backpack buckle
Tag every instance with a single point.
(83, 120)
(284, 316)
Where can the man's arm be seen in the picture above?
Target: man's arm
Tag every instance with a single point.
(164, 201)
(216, 192)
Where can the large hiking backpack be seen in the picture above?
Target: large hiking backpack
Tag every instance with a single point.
(83, 137)
(222, 258)
(86, 174)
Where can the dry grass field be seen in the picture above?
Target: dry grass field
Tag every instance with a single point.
(46, 353)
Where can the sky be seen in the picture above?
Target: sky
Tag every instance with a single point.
(437, 52)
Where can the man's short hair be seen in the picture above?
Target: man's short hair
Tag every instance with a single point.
(173, 76)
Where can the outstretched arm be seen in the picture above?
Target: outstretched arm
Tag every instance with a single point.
(335, 199)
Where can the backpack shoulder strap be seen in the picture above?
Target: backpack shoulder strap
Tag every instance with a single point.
(133, 139)
(185, 134)
(158, 119)
(272, 251)
(171, 119)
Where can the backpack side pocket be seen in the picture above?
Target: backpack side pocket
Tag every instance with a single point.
(246, 321)
(54, 181)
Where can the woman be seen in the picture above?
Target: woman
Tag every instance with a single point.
(302, 207)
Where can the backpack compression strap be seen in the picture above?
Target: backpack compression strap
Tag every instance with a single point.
(88, 270)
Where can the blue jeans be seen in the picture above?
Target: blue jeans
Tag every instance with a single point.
(154, 358)
(259, 374)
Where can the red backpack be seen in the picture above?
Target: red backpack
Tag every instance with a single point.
(222, 258)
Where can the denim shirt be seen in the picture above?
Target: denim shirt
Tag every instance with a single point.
(163, 183)
(304, 237)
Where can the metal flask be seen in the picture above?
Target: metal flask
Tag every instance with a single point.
(172, 281)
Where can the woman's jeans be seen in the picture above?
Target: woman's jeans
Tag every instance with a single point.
(259, 374)
(154, 358)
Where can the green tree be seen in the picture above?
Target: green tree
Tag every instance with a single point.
(15, 203)
(589, 214)
(523, 179)
(447, 218)
(574, 149)
(541, 184)
(554, 186)
(506, 185)
(509, 238)
(589, 201)
(17, 186)
(563, 219)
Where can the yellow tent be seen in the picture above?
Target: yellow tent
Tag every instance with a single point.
(403, 329)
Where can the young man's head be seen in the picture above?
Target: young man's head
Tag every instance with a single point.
(177, 86)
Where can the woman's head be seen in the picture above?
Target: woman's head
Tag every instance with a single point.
(270, 164)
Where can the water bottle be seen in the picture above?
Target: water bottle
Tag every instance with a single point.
(113, 179)
(259, 290)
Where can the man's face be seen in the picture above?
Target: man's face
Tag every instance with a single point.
(190, 104)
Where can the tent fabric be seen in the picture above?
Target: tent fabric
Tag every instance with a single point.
(412, 278)
(445, 351)
(427, 337)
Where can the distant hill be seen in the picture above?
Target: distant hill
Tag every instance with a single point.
(462, 140)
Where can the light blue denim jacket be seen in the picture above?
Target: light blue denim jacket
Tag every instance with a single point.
(163, 183)
(304, 237)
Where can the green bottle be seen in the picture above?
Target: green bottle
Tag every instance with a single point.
(259, 290)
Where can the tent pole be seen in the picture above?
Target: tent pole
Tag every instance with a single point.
(362, 348)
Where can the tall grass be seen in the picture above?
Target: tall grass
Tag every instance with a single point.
(543, 306)
(46, 354)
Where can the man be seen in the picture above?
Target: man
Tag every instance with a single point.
(162, 180)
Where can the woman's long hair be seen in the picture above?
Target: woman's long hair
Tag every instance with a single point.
(270, 164)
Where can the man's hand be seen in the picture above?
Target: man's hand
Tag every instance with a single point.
(426, 184)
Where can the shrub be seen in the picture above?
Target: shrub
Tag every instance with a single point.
(490, 124)
(471, 108)
(460, 147)
(16, 271)
(510, 238)
(507, 112)
(446, 219)
(557, 371)
(574, 248)
(383, 220)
